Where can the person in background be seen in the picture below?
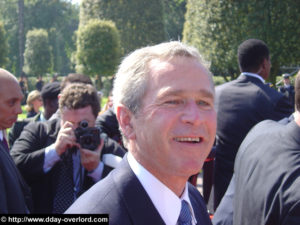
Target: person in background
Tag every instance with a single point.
(108, 123)
(24, 87)
(60, 162)
(287, 89)
(49, 96)
(33, 103)
(70, 79)
(267, 173)
(163, 97)
(54, 78)
(240, 104)
(39, 84)
(15, 197)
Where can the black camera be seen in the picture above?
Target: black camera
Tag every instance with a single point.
(87, 137)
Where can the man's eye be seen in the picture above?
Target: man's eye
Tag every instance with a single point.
(203, 103)
(11, 103)
(174, 102)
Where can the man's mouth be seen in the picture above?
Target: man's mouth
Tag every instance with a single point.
(189, 139)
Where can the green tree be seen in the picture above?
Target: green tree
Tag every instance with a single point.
(140, 22)
(218, 27)
(174, 11)
(98, 48)
(37, 55)
(59, 17)
(8, 15)
(3, 47)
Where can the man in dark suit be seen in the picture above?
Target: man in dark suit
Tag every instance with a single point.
(14, 193)
(267, 173)
(287, 89)
(60, 161)
(240, 104)
(164, 101)
(108, 123)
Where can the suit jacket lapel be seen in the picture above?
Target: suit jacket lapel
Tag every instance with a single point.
(135, 197)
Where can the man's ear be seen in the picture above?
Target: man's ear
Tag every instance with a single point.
(124, 117)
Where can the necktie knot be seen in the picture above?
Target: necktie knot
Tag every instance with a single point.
(185, 216)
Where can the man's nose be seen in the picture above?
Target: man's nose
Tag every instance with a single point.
(18, 109)
(192, 113)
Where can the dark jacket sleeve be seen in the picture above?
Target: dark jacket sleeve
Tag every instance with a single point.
(28, 151)
(108, 123)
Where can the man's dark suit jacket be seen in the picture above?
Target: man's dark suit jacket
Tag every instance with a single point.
(109, 124)
(267, 176)
(224, 213)
(18, 127)
(15, 196)
(28, 153)
(122, 196)
(240, 104)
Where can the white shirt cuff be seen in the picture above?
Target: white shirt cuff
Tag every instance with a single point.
(51, 157)
(96, 174)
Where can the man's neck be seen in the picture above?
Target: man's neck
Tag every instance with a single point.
(174, 183)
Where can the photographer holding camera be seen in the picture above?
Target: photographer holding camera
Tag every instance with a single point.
(63, 157)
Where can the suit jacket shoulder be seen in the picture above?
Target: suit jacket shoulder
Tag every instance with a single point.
(122, 196)
(270, 160)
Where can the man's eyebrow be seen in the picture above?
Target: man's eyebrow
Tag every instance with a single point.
(202, 92)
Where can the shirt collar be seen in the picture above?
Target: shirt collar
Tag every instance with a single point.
(165, 201)
(42, 118)
(253, 75)
(1, 135)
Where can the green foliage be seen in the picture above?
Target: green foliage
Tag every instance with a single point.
(37, 56)
(140, 23)
(218, 80)
(174, 11)
(98, 47)
(3, 46)
(59, 17)
(216, 28)
(8, 15)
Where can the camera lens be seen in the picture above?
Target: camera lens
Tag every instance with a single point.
(84, 124)
(88, 140)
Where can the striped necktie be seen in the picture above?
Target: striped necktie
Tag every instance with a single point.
(185, 216)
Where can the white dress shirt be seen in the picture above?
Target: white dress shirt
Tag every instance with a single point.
(167, 203)
(254, 75)
(51, 157)
(1, 135)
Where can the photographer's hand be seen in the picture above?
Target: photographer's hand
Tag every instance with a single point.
(91, 159)
(65, 138)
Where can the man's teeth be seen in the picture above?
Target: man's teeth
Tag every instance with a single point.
(188, 139)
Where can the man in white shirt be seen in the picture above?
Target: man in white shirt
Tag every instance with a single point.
(164, 101)
(14, 194)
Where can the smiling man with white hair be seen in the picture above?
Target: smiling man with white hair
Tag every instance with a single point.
(164, 101)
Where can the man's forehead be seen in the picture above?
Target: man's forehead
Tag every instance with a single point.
(10, 89)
